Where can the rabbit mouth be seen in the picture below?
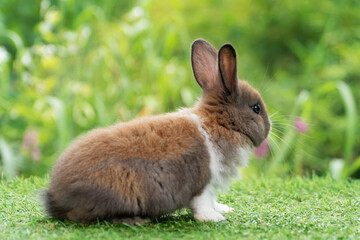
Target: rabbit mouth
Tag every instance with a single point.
(255, 142)
(252, 140)
(248, 136)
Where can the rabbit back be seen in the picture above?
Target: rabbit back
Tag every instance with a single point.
(147, 167)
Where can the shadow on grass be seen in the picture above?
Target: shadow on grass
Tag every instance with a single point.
(181, 217)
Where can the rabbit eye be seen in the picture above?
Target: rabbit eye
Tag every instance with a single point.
(256, 108)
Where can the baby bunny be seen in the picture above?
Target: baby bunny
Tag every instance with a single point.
(136, 171)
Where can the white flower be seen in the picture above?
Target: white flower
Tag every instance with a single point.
(26, 59)
(4, 55)
(47, 50)
(136, 13)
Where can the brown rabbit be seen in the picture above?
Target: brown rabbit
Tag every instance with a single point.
(152, 166)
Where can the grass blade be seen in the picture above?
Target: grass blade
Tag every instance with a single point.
(8, 158)
(61, 117)
(351, 119)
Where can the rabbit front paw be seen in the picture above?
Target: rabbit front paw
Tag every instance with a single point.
(222, 208)
(206, 215)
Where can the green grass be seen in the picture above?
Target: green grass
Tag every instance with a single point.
(264, 208)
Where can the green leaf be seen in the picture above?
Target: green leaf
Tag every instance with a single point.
(351, 120)
(8, 158)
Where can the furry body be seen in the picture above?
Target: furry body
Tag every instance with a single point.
(155, 165)
(100, 183)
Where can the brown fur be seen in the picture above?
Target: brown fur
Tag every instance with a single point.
(155, 165)
(131, 163)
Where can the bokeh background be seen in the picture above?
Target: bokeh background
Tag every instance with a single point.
(68, 66)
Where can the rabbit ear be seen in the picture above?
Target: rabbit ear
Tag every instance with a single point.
(204, 64)
(228, 67)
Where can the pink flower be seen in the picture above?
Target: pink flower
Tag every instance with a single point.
(300, 125)
(263, 150)
(30, 144)
(36, 154)
(30, 139)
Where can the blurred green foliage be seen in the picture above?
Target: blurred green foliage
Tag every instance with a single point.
(69, 66)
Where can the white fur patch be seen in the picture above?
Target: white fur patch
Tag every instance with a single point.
(205, 206)
(240, 159)
(215, 157)
(221, 174)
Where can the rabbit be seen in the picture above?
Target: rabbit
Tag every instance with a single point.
(136, 171)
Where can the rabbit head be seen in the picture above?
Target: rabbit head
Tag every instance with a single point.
(237, 105)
